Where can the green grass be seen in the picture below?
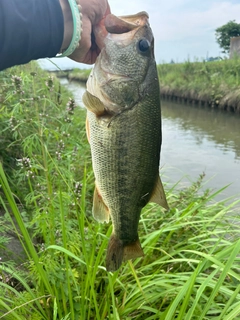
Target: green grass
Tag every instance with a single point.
(191, 265)
(216, 83)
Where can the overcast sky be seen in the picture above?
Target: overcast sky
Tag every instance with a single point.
(183, 29)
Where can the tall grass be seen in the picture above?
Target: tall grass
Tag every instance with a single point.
(200, 74)
(191, 265)
(214, 82)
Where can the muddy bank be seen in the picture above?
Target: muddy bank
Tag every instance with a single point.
(230, 101)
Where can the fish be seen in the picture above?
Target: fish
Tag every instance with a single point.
(123, 127)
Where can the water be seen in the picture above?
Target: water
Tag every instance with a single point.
(76, 88)
(196, 140)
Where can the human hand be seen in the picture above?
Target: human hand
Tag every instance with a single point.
(93, 30)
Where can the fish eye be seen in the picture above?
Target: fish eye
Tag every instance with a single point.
(143, 45)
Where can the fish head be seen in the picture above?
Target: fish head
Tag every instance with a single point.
(119, 77)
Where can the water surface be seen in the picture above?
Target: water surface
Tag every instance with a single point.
(197, 140)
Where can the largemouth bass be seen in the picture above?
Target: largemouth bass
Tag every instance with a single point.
(124, 131)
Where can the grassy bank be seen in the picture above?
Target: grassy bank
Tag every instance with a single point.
(214, 84)
(191, 264)
(211, 83)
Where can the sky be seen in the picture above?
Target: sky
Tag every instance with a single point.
(183, 29)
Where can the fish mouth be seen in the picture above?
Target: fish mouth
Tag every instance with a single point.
(125, 24)
(122, 28)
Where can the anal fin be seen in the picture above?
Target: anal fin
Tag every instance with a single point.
(158, 195)
(99, 210)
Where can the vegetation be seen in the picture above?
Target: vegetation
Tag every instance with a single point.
(213, 83)
(79, 75)
(225, 32)
(191, 264)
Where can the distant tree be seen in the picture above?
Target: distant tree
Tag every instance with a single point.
(225, 32)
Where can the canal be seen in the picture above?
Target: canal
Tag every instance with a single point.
(196, 140)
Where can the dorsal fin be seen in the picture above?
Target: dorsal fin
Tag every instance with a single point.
(158, 195)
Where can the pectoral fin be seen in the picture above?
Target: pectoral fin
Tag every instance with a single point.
(93, 104)
(158, 195)
(100, 210)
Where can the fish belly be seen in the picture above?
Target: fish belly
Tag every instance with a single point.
(125, 155)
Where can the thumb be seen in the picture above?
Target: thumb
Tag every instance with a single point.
(99, 29)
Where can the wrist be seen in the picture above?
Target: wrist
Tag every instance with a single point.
(68, 24)
(72, 26)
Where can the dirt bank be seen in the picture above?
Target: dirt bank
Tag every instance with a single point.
(229, 101)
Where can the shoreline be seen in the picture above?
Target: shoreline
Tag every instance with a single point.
(213, 84)
(229, 102)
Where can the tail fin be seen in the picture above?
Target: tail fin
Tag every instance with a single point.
(114, 254)
(133, 251)
(117, 252)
